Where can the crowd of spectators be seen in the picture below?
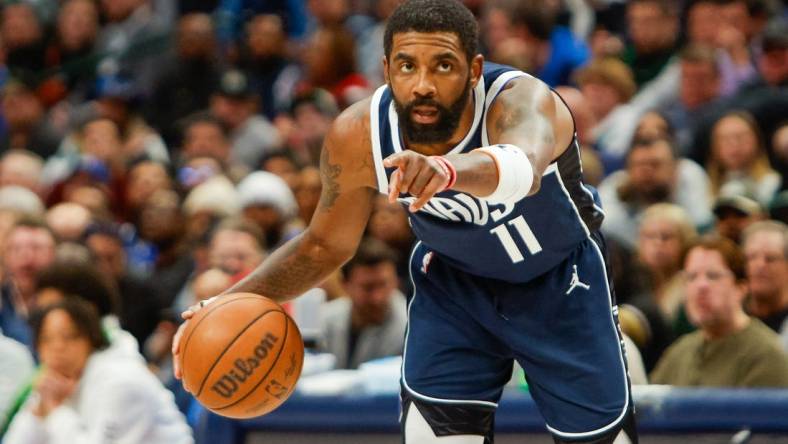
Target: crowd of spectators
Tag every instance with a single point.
(153, 152)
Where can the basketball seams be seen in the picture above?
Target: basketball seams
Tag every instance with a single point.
(276, 360)
(213, 307)
(230, 344)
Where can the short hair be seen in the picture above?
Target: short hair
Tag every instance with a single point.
(281, 153)
(322, 100)
(731, 253)
(103, 228)
(674, 214)
(609, 71)
(537, 17)
(82, 313)
(370, 252)
(83, 125)
(202, 117)
(434, 16)
(667, 7)
(771, 226)
(34, 223)
(699, 53)
(241, 225)
(670, 130)
(82, 281)
(649, 142)
(144, 160)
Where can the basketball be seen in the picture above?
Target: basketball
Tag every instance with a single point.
(241, 356)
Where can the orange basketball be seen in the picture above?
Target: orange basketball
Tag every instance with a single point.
(241, 355)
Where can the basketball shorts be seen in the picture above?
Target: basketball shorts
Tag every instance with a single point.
(465, 331)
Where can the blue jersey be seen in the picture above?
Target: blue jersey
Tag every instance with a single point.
(512, 242)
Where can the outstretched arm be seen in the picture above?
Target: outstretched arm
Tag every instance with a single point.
(525, 114)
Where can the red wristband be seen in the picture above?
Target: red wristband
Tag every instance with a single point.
(449, 169)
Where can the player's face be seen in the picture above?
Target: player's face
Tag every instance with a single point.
(430, 77)
(713, 295)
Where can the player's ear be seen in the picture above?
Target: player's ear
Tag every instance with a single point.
(477, 64)
(385, 62)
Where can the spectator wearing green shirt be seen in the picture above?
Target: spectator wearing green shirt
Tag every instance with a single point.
(730, 348)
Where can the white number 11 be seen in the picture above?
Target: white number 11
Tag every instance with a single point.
(526, 235)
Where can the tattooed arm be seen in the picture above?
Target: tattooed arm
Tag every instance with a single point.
(335, 230)
(338, 224)
(526, 114)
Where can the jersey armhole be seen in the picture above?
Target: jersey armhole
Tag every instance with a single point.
(374, 128)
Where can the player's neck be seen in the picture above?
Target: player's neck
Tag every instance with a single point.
(437, 149)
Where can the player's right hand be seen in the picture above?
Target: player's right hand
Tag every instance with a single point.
(416, 174)
(176, 341)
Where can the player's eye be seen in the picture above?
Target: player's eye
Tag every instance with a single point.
(444, 67)
(407, 67)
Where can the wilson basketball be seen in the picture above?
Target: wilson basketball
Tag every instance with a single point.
(241, 355)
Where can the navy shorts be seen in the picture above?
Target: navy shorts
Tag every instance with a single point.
(464, 332)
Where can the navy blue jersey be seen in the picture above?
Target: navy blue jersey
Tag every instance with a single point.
(511, 242)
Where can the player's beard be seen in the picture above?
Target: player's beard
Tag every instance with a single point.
(442, 129)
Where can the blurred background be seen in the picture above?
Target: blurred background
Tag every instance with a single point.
(153, 152)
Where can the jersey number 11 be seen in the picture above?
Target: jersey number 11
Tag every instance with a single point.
(522, 228)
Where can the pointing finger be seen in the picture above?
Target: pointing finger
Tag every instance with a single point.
(395, 160)
(394, 185)
(436, 183)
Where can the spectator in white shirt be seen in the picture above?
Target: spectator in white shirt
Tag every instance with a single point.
(16, 368)
(86, 396)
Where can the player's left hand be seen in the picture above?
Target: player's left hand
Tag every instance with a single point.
(418, 175)
(176, 341)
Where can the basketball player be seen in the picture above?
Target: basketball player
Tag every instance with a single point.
(509, 264)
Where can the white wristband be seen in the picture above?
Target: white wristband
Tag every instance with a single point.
(515, 173)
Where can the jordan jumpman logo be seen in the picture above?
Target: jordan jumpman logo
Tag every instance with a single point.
(575, 282)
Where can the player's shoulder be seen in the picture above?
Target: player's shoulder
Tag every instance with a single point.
(352, 125)
(525, 84)
(349, 143)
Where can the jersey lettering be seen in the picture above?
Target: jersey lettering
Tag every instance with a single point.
(462, 208)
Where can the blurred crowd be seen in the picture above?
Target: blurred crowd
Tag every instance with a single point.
(153, 152)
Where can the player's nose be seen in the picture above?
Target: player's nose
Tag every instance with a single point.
(425, 86)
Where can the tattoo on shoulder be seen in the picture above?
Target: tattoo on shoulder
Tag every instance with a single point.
(330, 174)
(511, 116)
